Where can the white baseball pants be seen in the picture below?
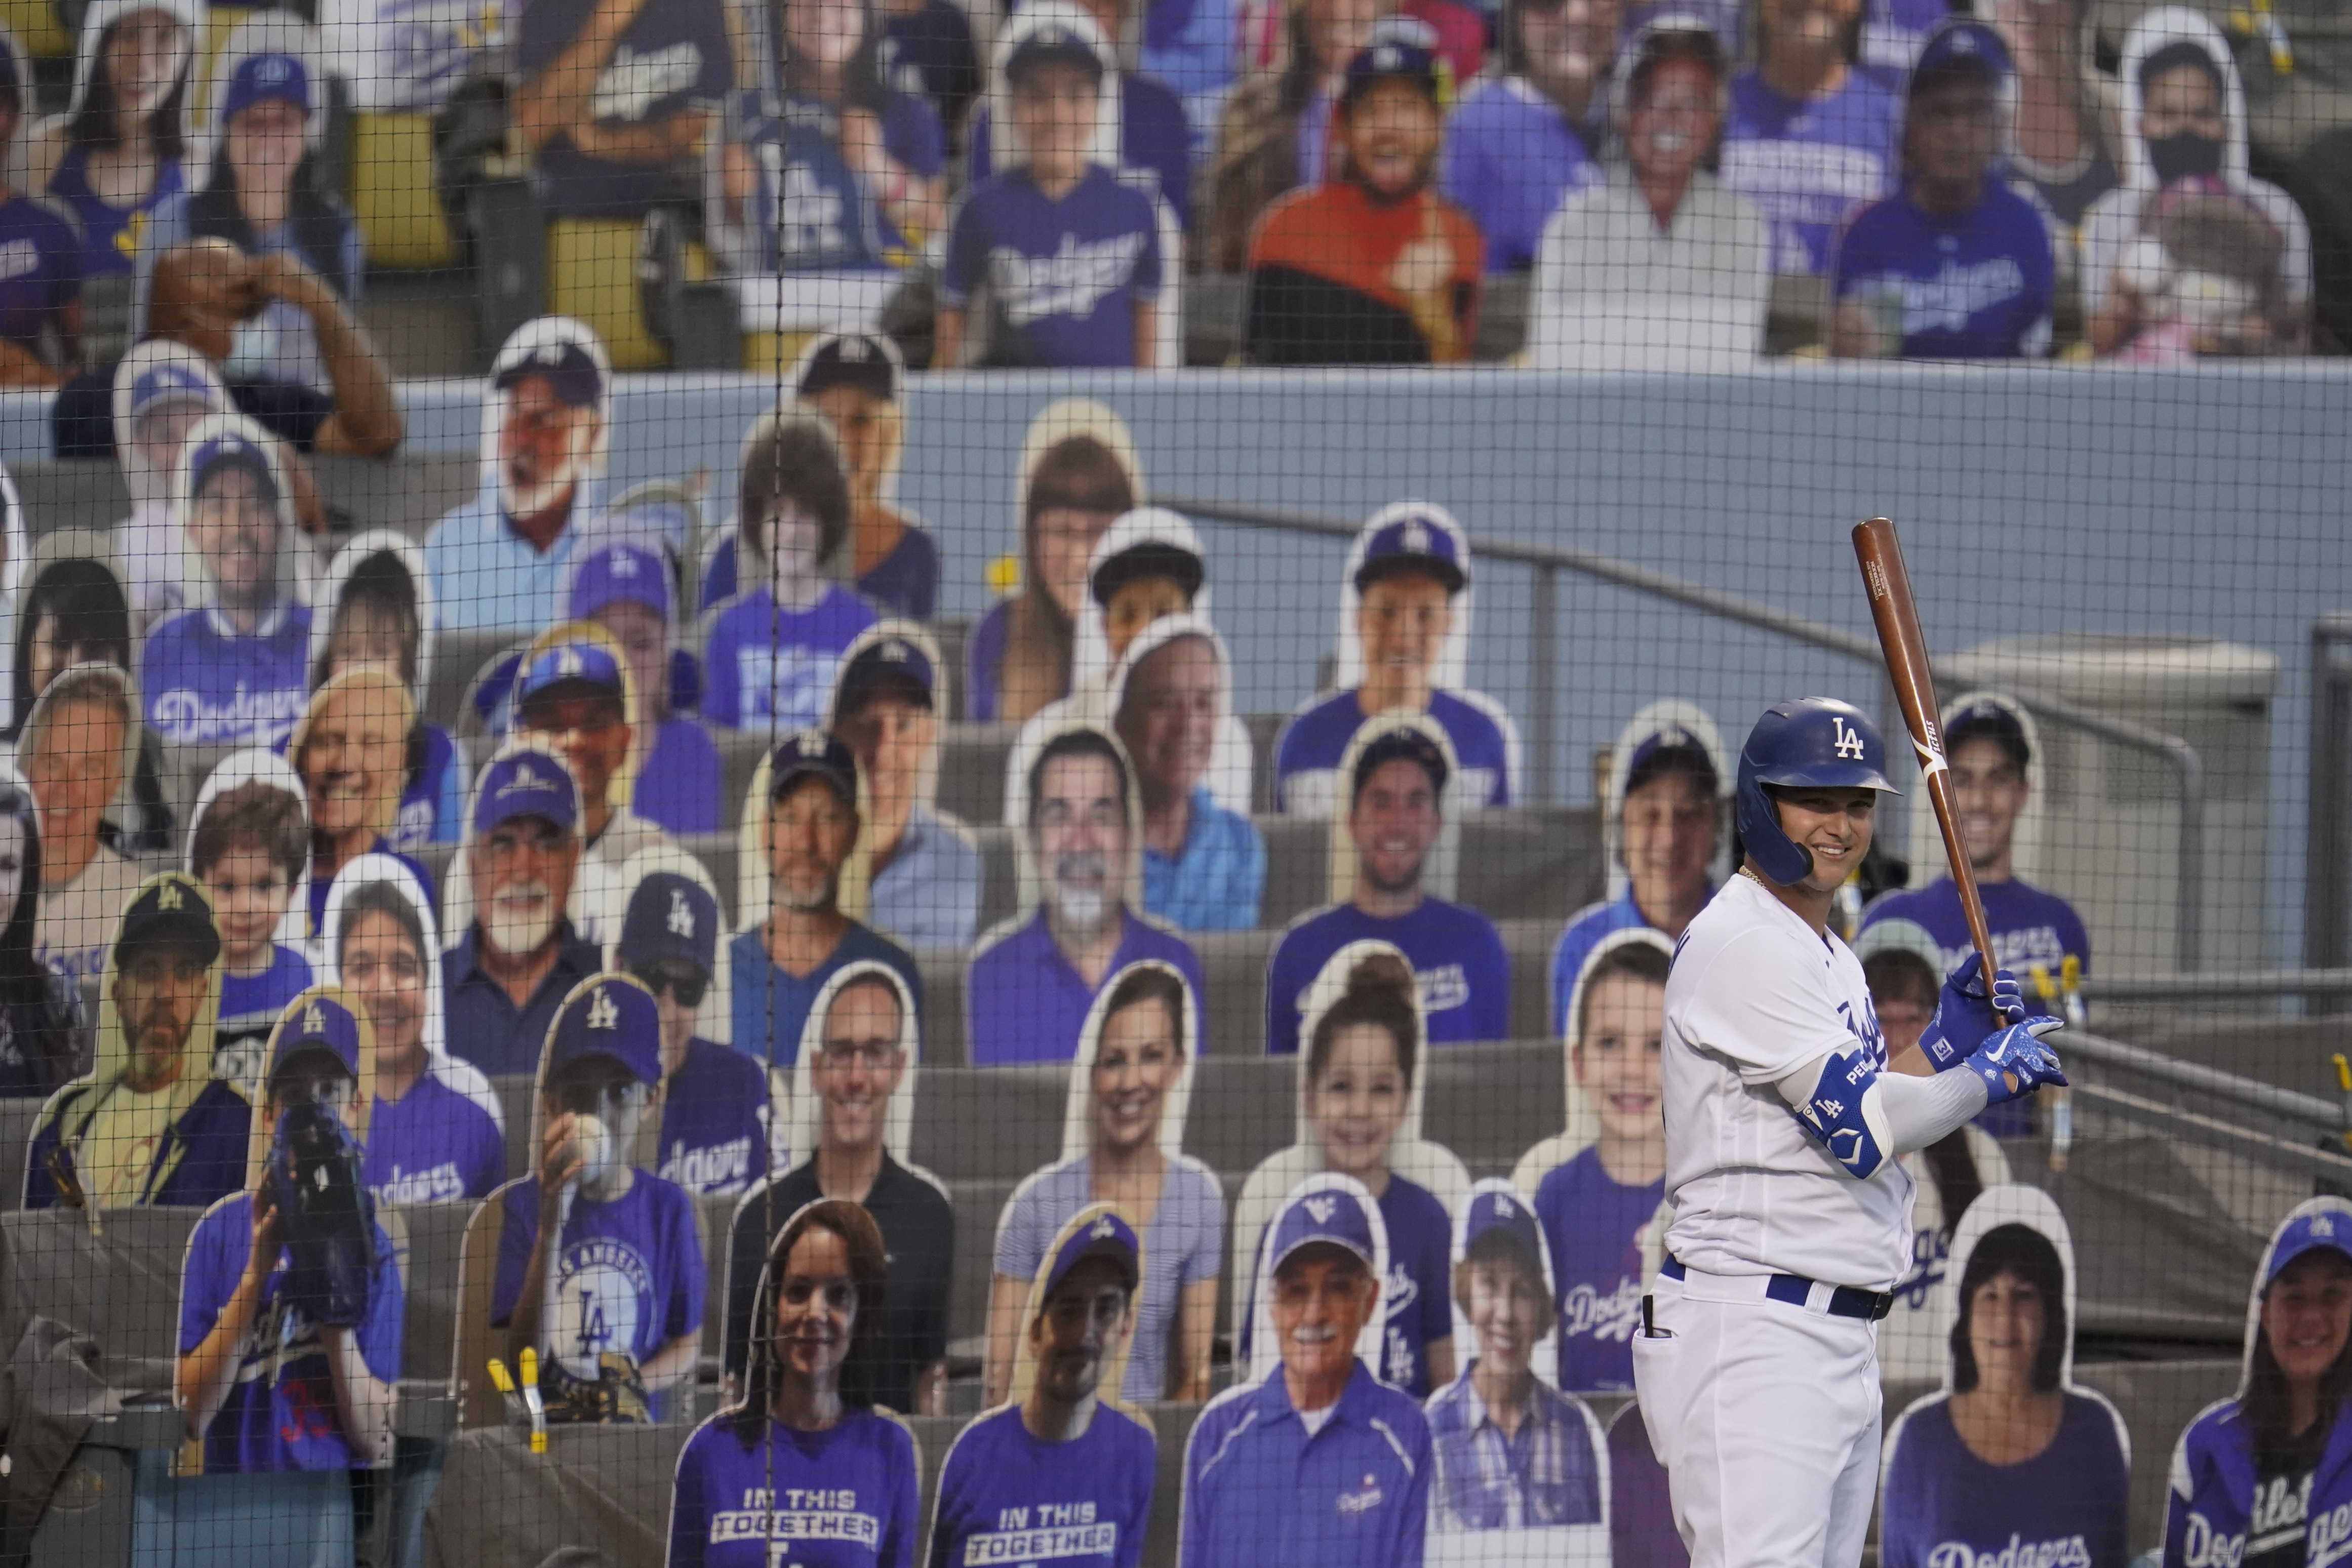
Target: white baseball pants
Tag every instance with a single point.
(1765, 1416)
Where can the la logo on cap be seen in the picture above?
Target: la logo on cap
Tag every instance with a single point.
(812, 743)
(625, 563)
(1415, 540)
(854, 352)
(2322, 1226)
(1674, 735)
(548, 354)
(895, 651)
(524, 778)
(1503, 1209)
(167, 897)
(273, 69)
(602, 1011)
(1320, 1209)
(313, 1021)
(1387, 59)
(681, 913)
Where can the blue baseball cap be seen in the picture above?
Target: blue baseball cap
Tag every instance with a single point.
(231, 450)
(618, 573)
(1406, 741)
(674, 917)
(2322, 1227)
(168, 383)
(1963, 40)
(1413, 542)
(1504, 1214)
(608, 1015)
(1330, 1214)
(584, 664)
(882, 665)
(313, 1022)
(530, 781)
(1394, 57)
(1105, 1235)
(265, 78)
(1056, 43)
(812, 753)
(568, 368)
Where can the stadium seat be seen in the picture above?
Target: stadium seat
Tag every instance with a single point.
(393, 194)
(435, 1237)
(592, 275)
(119, 1287)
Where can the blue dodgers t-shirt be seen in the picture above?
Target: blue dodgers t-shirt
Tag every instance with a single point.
(208, 687)
(433, 806)
(1806, 165)
(40, 269)
(847, 1497)
(1316, 741)
(825, 218)
(714, 1121)
(2028, 926)
(1215, 883)
(1511, 158)
(432, 1144)
(1974, 287)
(249, 1004)
(280, 1413)
(771, 1007)
(628, 1275)
(1064, 276)
(1024, 1002)
(1154, 140)
(1007, 1496)
(1592, 1223)
(1457, 958)
(2066, 1507)
(676, 787)
(907, 580)
(671, 57)
(764, 665)
(1420, 1299)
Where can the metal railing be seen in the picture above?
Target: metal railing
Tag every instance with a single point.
(2328, 859)
(1547, 561)
(2255, 983)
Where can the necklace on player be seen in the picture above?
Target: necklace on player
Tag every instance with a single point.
(1749, 872)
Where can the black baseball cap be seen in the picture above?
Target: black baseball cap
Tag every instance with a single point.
(1148, 559)
(894, 664)
(1403, 741)
(812, 753)
(1986, 719)
(169, 912)
(868, 361)
(568, 368)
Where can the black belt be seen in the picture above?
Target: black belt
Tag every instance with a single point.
(1796, 1291)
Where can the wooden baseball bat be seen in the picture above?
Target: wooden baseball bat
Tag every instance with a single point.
(1905, 647)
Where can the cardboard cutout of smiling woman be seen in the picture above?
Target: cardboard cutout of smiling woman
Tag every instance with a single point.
(2012, 1461)
(1360, 1088)
(1541, 1493)
(291, 1297)
(1123, 1142)
(2266, 1477)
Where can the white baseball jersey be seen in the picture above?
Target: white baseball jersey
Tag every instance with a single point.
(1756, 994)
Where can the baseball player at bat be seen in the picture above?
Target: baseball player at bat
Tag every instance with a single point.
(1756, 1360)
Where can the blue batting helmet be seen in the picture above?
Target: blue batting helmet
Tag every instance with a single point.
(1816, 742)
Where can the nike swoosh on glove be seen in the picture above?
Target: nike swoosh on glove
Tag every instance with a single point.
(2016, 1055)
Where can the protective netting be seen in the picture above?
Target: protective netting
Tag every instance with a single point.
(819, 783)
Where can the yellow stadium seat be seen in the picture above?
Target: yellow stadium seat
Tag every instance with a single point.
(391, 189)
(36, 24)
(592, 275)
(774, 353)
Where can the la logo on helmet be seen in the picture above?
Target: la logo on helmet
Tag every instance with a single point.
(1849, 742)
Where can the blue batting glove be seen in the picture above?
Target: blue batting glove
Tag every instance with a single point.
(1965, 1015)
(2016, 1056)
